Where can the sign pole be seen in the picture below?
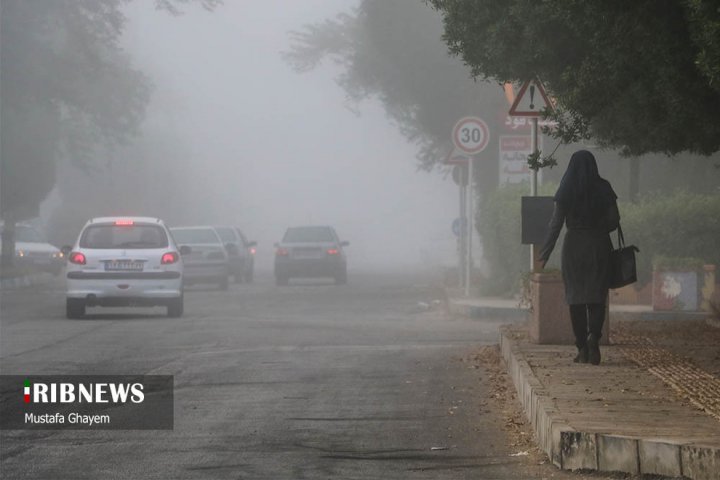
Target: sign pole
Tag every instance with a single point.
(534, 254)
(461, 237)
(470, 224)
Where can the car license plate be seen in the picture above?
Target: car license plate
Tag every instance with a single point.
(123, 266)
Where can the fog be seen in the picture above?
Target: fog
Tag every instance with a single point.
(267, 148)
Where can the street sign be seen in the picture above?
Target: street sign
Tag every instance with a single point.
(460, 175)
(457, 226)
(530, 100)
(471, 135)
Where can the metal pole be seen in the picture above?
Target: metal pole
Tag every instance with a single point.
(470, 225)
(461, 237)
(534, 183)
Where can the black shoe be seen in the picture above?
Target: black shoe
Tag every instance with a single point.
(582, 356)
(593, 344)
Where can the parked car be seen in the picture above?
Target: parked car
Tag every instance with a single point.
(34, 252)
(208, 261)
(310, 251)
(124, 261)
(240, 251)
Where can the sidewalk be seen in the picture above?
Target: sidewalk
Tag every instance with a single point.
(651, 407)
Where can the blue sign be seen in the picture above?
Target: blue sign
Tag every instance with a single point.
(457, 225)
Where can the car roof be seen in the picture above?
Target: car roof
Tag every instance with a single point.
(134, 219)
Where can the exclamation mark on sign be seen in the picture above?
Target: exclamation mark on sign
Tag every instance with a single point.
(532, 97)
(26, 391)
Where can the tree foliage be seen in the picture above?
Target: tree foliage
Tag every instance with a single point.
(66, 88)
(641, 76)
(393, 51)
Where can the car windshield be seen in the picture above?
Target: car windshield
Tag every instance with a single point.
(28, 234)
(308, 234)
(226, 234)
(124, 236)
(194, 235)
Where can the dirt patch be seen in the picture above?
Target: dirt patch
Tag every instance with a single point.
(697, 341)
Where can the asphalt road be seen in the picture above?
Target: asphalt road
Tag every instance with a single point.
(307, 381)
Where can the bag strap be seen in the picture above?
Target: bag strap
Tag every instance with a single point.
(621, 238)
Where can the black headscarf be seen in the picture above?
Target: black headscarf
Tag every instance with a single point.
(582, 191)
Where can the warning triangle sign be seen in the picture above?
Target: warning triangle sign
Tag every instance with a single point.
(531, 100)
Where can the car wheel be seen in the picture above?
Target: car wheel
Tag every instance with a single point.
(176, 307)
(223, 285)
(74, 308)
(281, 281)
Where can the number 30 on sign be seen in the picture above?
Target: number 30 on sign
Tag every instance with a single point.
(470, 135)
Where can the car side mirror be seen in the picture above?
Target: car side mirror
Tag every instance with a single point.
(66, 249)
(185, 250)
(231, 248)
(344, 244)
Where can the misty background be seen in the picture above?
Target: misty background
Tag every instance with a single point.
(233, 135)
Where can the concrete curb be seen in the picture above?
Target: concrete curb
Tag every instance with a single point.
(458, 307)
(475, 310)
(23, 281)
(571, 450)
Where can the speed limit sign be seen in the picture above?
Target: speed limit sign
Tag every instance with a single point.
(470, 135)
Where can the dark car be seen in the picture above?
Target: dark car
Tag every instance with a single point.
(241, 253)
(310, 251)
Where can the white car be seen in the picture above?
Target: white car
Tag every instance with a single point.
(124, 261)
(34, 252)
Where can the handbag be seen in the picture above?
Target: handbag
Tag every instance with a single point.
(622, 263)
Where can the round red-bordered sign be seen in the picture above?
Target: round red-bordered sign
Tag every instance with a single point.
(471, 135)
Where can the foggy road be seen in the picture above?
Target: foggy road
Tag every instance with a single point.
(307, 381)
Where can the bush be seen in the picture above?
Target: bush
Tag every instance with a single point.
(679, 224)
(499, 225)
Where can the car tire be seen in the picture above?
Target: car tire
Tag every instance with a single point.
(74, 308)
(224, 283)
(175, 307)
(281, 281)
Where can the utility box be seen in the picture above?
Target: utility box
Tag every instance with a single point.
(536, 213)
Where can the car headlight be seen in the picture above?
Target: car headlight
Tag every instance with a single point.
(58, 255)
(20, 253)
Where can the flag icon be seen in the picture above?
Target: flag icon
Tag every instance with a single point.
(26, 391)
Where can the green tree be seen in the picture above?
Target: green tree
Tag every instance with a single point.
(639, 76)
(66, 88)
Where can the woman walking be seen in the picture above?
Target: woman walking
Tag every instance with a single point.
(587, 204)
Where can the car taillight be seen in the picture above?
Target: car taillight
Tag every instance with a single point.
(282, 252)
(170, 257)
(77, 258)
(253, 250)
(333, 251)
(124, 222)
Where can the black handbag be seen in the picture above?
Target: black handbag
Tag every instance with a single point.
(622, 263)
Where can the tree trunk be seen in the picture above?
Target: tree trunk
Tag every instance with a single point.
(7, 255)
(634, 189)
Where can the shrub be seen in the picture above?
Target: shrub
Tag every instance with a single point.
(678, 224)
(499, 225)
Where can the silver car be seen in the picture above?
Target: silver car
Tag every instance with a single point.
(310, 251)
(208, 260)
